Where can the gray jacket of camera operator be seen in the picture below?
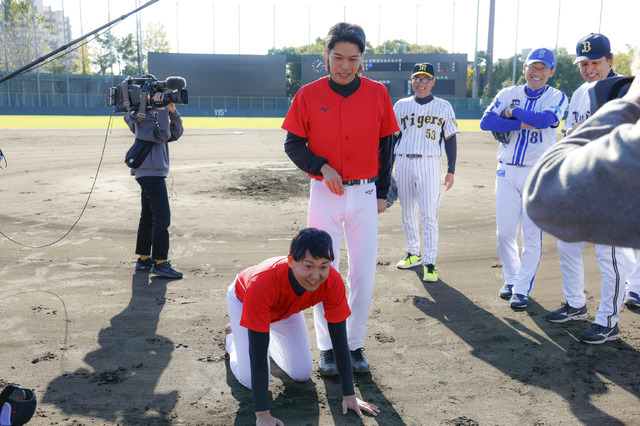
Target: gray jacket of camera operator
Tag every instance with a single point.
(159, 127)
(585, 187)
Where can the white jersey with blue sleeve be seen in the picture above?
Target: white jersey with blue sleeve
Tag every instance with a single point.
(526, 146)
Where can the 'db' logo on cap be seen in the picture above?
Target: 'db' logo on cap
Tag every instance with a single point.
(586, 47)
(541, 53)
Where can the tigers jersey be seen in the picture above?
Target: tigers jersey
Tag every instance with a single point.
(424, 127)
(526, 146)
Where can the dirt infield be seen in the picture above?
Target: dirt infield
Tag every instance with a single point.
(101, 344)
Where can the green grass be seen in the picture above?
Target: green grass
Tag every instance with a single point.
(91, 121)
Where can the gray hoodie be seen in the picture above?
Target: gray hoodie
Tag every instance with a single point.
(587, 186)
(156, 128)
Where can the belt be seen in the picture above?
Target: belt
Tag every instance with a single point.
(410, 155)
(357, 181)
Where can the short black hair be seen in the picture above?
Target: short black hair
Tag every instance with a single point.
(317, 242)
(347, 32)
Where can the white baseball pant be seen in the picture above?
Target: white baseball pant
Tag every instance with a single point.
(572, 272)
(615, 263)
(419, 187)
(356, 214)
(633, 278)
(517, 270)
(288, 344)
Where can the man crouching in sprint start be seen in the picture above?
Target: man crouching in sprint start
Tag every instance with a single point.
(265, 306)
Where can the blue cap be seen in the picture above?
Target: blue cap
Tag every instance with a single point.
(541, 55)
(591, 47)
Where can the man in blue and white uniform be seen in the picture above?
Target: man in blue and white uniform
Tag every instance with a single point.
(527, 116)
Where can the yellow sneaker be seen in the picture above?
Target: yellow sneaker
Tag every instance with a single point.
(430, 273)
(409, 261)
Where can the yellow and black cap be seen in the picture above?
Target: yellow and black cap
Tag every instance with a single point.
(424, 68)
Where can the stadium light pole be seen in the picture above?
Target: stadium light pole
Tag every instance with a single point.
(178, 30)
(35, 44)
(558, 26)
(416, 52)
(600, 24)
(379, 15)
(475, 57)
(453, 26)
(66, 57)
(6, 60)
(110, 46)
(309, 26)
(515, 52)
(84, 70)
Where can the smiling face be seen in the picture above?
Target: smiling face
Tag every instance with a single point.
(537, 75)
(344, 62)
(310, 272)
(422, 89)
(596, 69)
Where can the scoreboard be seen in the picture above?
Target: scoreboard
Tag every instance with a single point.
(394, 71)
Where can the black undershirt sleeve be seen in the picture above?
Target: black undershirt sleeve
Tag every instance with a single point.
(338, 334)
(258, 346)
(298, 151)
(385, 163)
(451, 148)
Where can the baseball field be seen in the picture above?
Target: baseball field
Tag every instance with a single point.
(103, 345)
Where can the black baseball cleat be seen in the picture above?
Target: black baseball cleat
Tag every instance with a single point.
(327, 364)
(359, 362)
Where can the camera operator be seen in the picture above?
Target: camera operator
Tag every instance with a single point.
(585, 188)
(160, 126)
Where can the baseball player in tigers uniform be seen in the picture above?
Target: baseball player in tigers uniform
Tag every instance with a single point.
(528, 117)
(428, 129)
(338, 131)
(594, 58)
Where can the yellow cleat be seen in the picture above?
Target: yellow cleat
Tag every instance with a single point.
(430, 273)
(409, 261)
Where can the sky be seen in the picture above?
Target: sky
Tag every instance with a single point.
(255, 26)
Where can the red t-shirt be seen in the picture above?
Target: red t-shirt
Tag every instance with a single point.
(267, 296)
(345, 131)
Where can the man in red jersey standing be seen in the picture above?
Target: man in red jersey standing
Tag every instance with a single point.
(338, 131)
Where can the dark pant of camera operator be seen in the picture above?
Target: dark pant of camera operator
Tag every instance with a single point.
(160, 126)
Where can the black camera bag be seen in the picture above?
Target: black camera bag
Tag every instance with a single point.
(137, 153)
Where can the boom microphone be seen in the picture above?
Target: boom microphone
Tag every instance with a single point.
(175, 83)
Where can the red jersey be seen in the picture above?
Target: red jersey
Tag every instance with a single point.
(345, 131)
(267, 296)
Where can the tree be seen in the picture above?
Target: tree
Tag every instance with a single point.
(622, 61)
(294, 57)
(124, 51)
(19, 34)
(401, 47)
(294, 62)
(154, 39)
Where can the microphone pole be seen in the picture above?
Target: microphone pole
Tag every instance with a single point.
(66, 46)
